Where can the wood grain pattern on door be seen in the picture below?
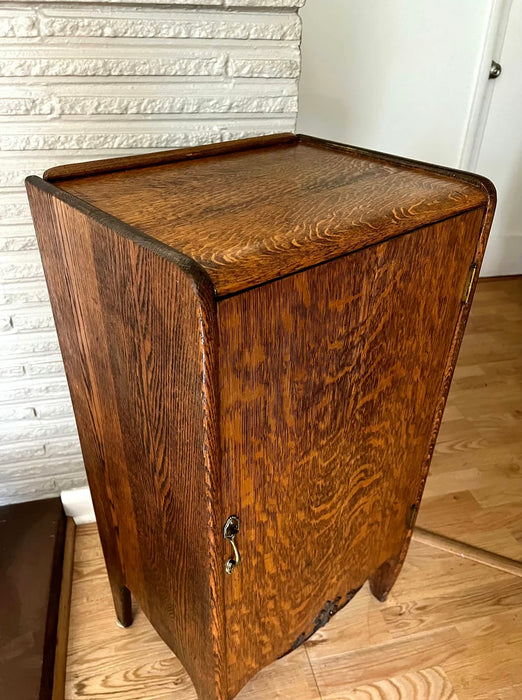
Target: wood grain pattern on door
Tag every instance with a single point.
(328, 383)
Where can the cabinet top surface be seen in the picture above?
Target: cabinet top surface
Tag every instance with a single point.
(255, 210)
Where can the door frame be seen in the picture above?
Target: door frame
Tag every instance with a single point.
(491, 50)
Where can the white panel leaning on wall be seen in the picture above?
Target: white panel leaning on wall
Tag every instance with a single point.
(80, 82)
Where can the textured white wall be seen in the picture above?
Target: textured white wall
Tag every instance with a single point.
(80, 81)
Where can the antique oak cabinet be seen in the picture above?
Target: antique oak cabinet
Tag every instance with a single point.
(259, 338)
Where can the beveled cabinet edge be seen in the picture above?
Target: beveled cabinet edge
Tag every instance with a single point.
(204, 292)
(191, 268)
(479, 181)
(109, 165)
(85, 170)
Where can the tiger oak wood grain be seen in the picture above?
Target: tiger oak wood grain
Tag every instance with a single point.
(141, 382)
(266, 329)
(328, 384)
(104, 661)
(251, 216)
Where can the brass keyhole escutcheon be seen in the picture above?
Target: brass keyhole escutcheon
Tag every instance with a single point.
(230, 531)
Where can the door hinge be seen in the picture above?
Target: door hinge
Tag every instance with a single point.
(469, 283)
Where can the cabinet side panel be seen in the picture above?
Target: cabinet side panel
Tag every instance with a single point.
(136, 337)
(331, 380)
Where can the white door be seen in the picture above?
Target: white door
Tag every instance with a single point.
(500, 154)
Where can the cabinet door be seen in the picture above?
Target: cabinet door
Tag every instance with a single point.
(331, 381)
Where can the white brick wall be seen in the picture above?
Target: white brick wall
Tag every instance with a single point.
(80, 81)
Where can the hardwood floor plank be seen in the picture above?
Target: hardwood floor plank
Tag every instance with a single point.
(439, 598)
(107, 661)
(428, 684)
(492, 657)
(342, 673)
(290, 677)
(475, 481)
(358, 626)
(413, 616)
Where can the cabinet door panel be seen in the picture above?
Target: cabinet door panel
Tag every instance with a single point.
(330, 380)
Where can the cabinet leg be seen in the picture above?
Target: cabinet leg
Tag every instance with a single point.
(122, 603)
(109, 533)
(382, 580)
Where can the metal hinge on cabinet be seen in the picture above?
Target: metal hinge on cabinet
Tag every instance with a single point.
(469, 283)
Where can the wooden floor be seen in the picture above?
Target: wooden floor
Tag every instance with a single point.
(452, 627)
(474, 491)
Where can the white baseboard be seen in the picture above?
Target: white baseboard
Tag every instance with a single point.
(77, 503)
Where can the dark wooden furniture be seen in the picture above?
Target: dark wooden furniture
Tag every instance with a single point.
(32, 540)
(259, 338)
